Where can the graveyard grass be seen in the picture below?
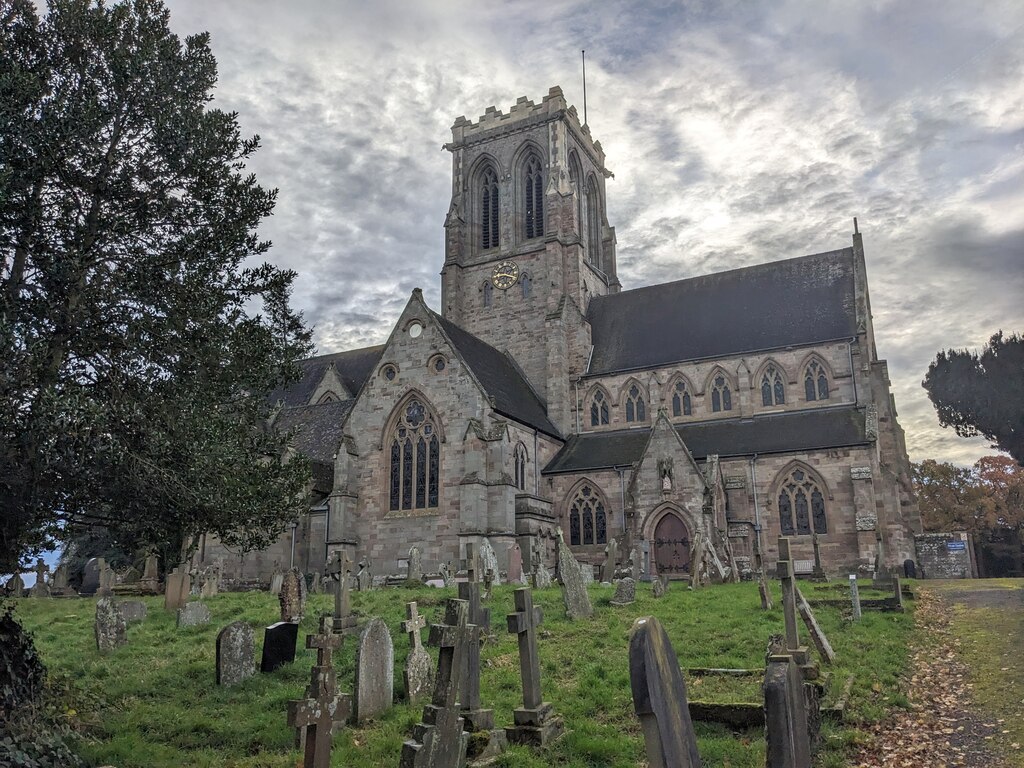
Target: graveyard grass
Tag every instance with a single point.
(154, 703)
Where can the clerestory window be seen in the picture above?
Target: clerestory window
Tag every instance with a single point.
(682, 403)
(721, 394)
(801, 505)
(414, 479)
(636, 409)
(816, 382)
(587, 519)
(598, 409)
(773, 388)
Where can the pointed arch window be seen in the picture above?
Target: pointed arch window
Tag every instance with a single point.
(414, 479)
(575, 174)
(636, 408)
(489, 208)
(721, 394)
(773, 387)
(816, 382)
(598, 409)
(682, 403)
(488, 294)
(527, 285)
(533, 183)
(801, 505)
(593, 225)
(520, 458)
(588, 522)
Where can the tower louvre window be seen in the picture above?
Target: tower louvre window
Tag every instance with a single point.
(533, 183)
(489, 209)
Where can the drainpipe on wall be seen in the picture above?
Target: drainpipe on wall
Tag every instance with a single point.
(536, 467)
(576, 384)
(622, 495)
(853, 373)
(757, 512)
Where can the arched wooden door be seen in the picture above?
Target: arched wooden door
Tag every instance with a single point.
(672, 546)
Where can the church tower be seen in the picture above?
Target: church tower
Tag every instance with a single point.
(527, 240)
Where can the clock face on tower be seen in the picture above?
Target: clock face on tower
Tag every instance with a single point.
(505, 275)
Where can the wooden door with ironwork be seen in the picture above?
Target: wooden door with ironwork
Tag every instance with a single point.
(672, 547)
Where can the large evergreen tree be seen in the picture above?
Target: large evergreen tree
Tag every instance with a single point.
(138, 335)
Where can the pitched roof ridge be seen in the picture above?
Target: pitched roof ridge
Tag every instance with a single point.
(328, 356)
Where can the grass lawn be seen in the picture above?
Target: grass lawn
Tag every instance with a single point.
(154, 703)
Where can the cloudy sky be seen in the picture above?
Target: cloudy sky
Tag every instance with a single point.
(738, 133)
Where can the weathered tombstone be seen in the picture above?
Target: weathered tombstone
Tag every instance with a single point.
(418, 675)
(338, 569)
(785, 715)
(634, 563)
(364, 579)
(150, 581)
(818, 574)
(789, 609)
(15, 586)
(324, 709)
(91, 576)
(130, 576)
(586, 572)
(111, 630)
(439, 741)
(415, 571)
(210, 584)
(659, 697)
(898, 593)
(611, 554)
(107, 580)
(176, 588)
(659, 586)
(541, 577)
(132, 610)
(375, 672)
(817, 635)
(236, 653)
(291, 596)
(445, 569)
(535, 722)
(279, 645)
(313, 582)
(59, 585)
(489, 562)
(762, 588)
(625, 592)
(276, 580)
(909, 569)
(193, 614)
(515, 564)
(574, 591)
(40, 588)
(855, 596)
(882, 578)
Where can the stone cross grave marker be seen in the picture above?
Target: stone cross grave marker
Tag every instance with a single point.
(375, 672)
(659, 697)
(855, 596)
(817, 635)
(788, 743)
(415, 572)
(193, 614)
(479, 622)
(291, 595)
(439, 741)
(611, 554)
(535, 723)
(176, 588)
(515, 564)
(574, 591)
(40, 588)
(818, 574)
(279, 645)
(625, 592)
(634, 563)
(236, 653)
(789, 609)
(418, 674)
(338, 570)
(324, 708)
(762, 588)
(110, 626)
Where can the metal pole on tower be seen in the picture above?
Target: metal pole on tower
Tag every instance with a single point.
(584, 55)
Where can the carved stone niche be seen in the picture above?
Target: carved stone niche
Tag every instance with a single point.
(867, 522)
(860, 473)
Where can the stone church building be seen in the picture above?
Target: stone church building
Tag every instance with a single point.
(708, 415)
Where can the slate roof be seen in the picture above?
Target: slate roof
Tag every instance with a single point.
(317, 428)
(768, 306)
(501, 378)
(809, 430)
(353, 368)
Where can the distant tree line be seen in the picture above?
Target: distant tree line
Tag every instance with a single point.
(982, 497)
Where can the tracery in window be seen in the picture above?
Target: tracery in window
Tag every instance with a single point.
(801, 505)
(721, 394)
(773, 388)
(636, 409)
(587, 518)
(682, 403)
(520, 458)
(816, 381)
(414, 479)
(489, 208)
(533, 183)
(488, 294)
(598, 409)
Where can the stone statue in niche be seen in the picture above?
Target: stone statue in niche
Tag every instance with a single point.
(665, 473)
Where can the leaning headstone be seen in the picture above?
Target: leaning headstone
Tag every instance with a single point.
(535, 722)
(375, 672)
(236, 653)
(91, 576)
(111, 630)
(541, 577)
(279, 645)
(789, 609)
(625, 592)
(898, 594)
(817, 635)
(659, 586)
(291, 595)
(313, 582)
(176, 588)
(489, 562)
(574, 591)
(132, 610)
(415, 571)
(193, 614)
(788, 743)
(659, 697)
(418, 674)
(611, 554)
(515, 564)
(439, 741)
(324, 709)
(338, 570)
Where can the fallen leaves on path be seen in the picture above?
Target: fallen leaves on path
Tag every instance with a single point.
(938, 731)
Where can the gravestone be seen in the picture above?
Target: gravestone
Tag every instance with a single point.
(91, 576)
(150, 582)
(659, 697)
(445, 570)
(209, 582)
(489, 563)
(279, 645)
(40, 588)
(375, 672)
(789, 609)
(338, 569)
(818, 574)
(176, 588)
(535, 722)
(634, 563)
(15, 586)
(418, 674)
(193, 614)
(439, 741)
(276, 580)
(364, 579)
(788, 743)
(291, 595)
(324, 709)
(313, 582)
(762, 588)
(130, 576)
(898, 593)
(659, 586)
(111, 630)
(611, 554)
(625, 592)
(132, 610)
(515, 564)
(574, 591)
(60, 586)
(107, 580)
(236, 653)
(817, 635)
(415, 572)
(587, 573)
(541, 577)
(855, 596)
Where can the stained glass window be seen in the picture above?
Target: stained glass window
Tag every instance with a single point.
(414, 477)
(635, 407)
(681, 402)
(801, 505)
(721, 395)
(815, 382)
(598, 409)
(773, 388)
(587, 521)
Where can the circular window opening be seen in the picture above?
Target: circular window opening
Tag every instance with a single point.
(440, 364)
(390, 372)
(415, 330)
